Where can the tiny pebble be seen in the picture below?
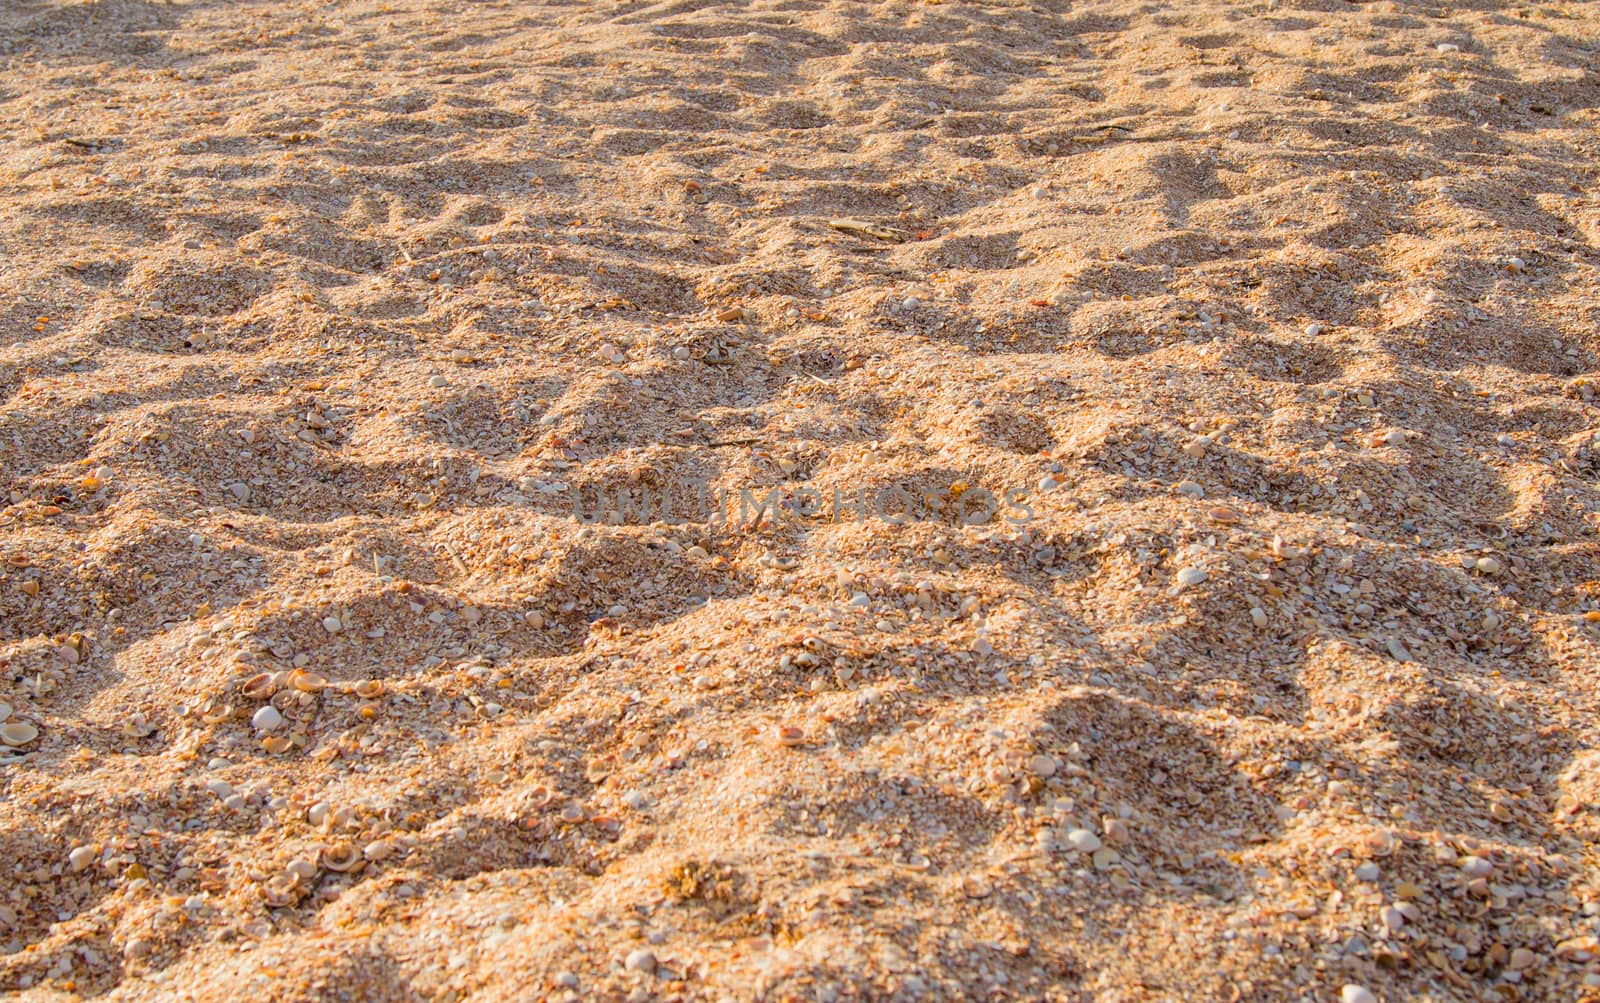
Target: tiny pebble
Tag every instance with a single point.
(1083, 840)
(640, 960)
(331, 624)
(1188, 577)
(81, 857)
(1353, 993)
(438, 381)
(267, 719)
(1476, 867)
(1391, 917)
(1488, 565)
(1367, 872)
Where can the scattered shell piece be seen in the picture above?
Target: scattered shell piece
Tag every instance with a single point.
(81, 857)
(1353, 993)
(267, 719)
(277, 744)
(862, 229)
(791, 735)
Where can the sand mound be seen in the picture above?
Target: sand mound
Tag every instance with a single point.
(799, 499)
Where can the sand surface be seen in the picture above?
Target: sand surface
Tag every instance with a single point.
(341, 344)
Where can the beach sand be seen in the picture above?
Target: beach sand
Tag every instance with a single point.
(344, 345)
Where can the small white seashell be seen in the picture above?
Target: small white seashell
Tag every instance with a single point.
(18, 733)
